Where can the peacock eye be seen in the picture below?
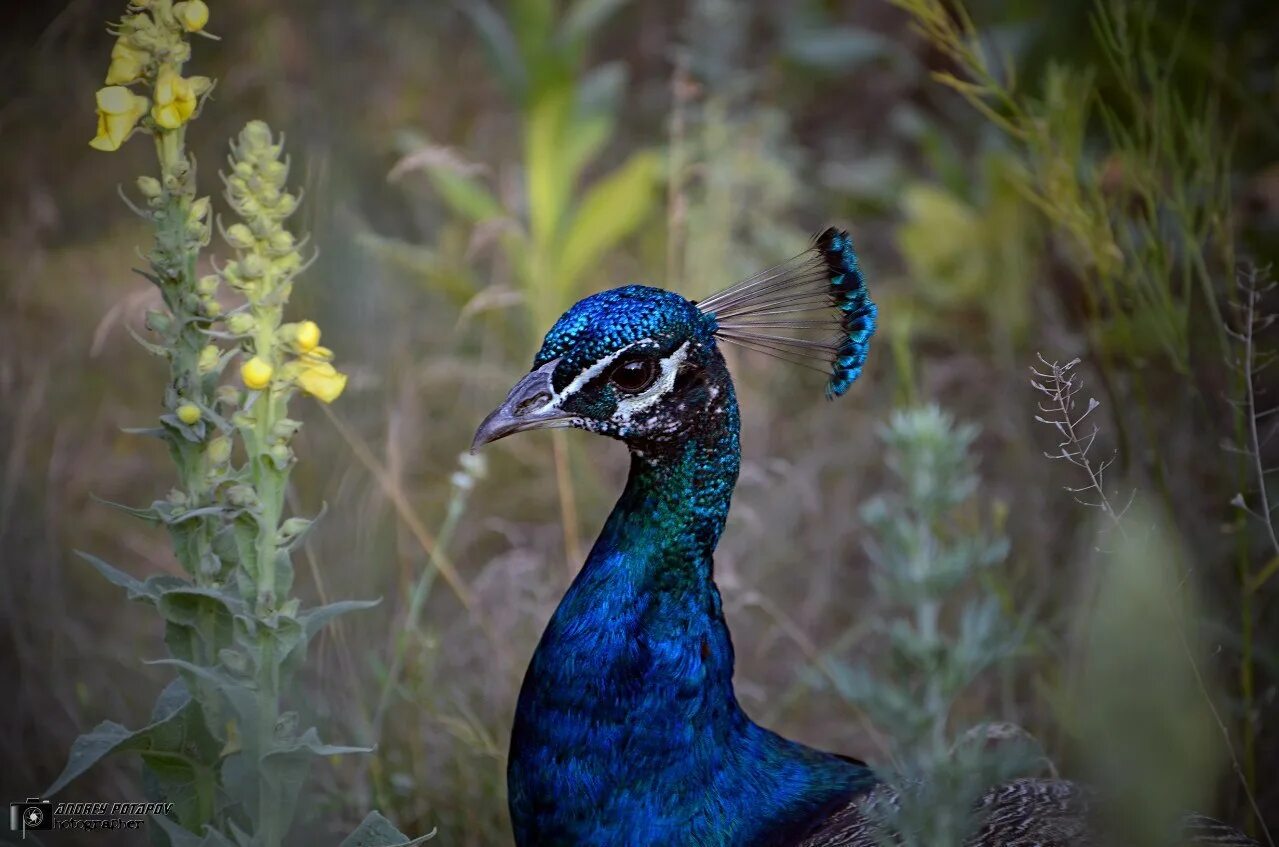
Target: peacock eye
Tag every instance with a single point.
(634, 376)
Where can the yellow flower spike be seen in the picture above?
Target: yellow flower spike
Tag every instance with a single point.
(308, 336)
(189, 413)
(322, 381)
(119, 111)
(192, 14)
(128, 63)
(256, 374)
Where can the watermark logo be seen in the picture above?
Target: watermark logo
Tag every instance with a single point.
(31, 813)
(37, 814)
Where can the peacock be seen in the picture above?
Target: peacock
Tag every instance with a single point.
(627, 731)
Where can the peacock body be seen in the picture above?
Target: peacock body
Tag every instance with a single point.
(627, 730)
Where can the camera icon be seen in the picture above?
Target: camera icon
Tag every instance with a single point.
(32, 813)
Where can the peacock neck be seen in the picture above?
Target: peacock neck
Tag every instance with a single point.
(627, 729)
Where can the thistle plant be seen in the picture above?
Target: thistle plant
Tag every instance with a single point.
(221, 746)
(928, 542)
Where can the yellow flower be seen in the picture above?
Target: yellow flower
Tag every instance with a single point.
(256, 374)
(127, 63)
(192, 14)
(321, 380)
(307, 336)
(176, 97)
(188, 413)
(119, 110)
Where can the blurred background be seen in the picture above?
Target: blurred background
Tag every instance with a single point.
(1125, 169)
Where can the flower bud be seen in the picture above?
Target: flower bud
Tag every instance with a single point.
(287, 263)
(294, 526)
(211, 307)
(252, 266)
(255, 136)
(207, 284)
(239, 236)
(209, 357)
(199, 209)
(228, 395)
(219, 450)
(256, 374)
(158, 321)
(281, 455)
(192, 14)
(149, 187)
(241, 323)
(282, 241)
(285, 206)
(275, 171)
(189, 413)
(241, 495)
(285, 428)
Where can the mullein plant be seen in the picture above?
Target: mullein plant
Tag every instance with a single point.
(221, 745)
(928, 544)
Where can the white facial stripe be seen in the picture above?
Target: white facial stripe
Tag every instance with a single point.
(628, 406)
(583, 378)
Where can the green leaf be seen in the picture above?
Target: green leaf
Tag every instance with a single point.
(548, 184)
(169, 732)
(586, 16)
(464, 194)
(613, 209)
(377, 831)
(86, 750)
(313, 620)
(285, 767)
(137, 589)
(589, 136)
(499, 43)
(148, 514)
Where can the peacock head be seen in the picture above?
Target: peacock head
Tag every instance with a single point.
(643, 364)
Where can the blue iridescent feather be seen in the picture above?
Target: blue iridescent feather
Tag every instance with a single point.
(814, 310)
(858, 313)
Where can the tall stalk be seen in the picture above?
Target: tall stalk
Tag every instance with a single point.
(221, 749)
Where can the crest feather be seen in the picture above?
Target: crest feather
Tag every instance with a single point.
(813, 310)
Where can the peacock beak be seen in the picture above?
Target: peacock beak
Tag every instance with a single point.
(529, 405)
